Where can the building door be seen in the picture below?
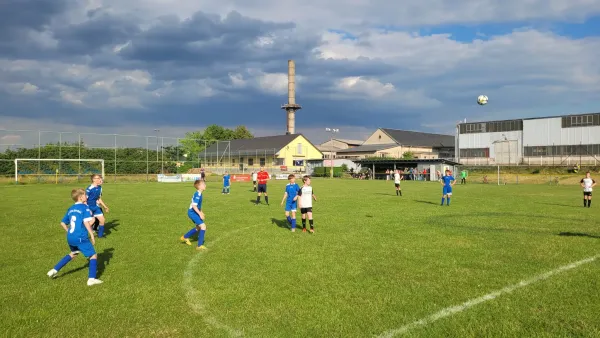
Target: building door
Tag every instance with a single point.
(506, 152)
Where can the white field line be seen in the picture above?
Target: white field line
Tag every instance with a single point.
(490, 296)
(194, 297)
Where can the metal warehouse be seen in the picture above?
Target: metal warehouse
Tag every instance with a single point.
(558, 140)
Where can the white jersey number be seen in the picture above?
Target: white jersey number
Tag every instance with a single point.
(72, 224)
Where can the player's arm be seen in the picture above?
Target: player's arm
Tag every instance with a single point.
(593, 183)
(88, 221)
(103, 205)
(581, 183)
(284, 197)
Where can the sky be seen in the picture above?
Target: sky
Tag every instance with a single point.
(130, 67)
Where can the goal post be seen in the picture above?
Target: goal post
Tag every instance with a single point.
(55, 167)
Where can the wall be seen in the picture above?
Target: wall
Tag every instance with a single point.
(486, 140)
(292, 152)
(544, 132)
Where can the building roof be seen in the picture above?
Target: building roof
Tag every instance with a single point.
(266, 145)
(416, 138)
(530, 118)
(367, 148)
(368, 161)
(347, 141)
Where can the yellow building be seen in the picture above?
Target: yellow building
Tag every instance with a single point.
(281, 153)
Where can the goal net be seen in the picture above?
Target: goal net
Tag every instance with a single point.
(30, 170)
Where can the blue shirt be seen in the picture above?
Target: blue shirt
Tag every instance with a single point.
(447, 180)
(93, 194)
(226, 180)
(74, 218)
(292, 191)
(196, 200)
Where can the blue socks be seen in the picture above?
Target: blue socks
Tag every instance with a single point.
(443, 200)
(190, 233)
(289, 219)
(294, 223)
(448, 202)
(93, 268)
(101, 230)
(62, 262)
(201, 237)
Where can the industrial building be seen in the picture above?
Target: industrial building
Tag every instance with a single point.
(559, 140)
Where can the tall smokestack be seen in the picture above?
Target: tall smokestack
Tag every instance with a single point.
(291, 106)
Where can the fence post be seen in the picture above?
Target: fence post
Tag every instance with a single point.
(147, 163)
(79, 157)
(115, 157)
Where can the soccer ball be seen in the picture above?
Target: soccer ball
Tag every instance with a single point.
(482, 100)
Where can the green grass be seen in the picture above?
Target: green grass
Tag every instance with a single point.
(376, 262)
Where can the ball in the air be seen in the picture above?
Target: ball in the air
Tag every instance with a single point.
(482, 100)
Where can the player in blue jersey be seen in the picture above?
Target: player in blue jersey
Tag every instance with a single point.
(78, 224)
(226, 183)
(290, 197)
(197, 216)
(95, 202)
(447, 182)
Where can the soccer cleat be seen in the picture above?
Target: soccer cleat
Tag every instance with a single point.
(201, 247)
(294, 230)
(52, 273)
(303, 229)
(93, 281)
(185, 240)
(312, 231)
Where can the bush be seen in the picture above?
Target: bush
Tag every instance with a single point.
(325, 172)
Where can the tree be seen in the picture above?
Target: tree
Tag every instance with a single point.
(195, 141)
(241, 132)
(408, 155)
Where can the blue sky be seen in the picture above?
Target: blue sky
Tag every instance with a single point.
(131, 67)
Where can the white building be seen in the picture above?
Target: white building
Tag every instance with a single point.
(560, 140)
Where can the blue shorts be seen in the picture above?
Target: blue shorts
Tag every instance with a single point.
(447, 190)
(195, 217)
(83, 245)
(291, 206)
(96, 210)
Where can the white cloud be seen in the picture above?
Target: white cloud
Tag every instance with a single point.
(364, 86)
(274, 83)
(29, 88)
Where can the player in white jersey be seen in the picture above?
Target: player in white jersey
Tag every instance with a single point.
(254, 179)
(307, 196)
(397, 179)
(587, 183)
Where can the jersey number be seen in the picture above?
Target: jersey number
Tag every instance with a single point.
(73, 220)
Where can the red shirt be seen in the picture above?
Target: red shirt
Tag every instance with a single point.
(262, 177)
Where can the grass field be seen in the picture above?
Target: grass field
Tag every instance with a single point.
(376, 263)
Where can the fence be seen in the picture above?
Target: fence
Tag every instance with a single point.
(126, 157)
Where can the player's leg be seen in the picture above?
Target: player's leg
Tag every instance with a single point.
(293, 218)
(194, 217)
(64, 261)
(201, 232)
(266, 195)
(87, 249)
(288, 208)
(443, 195)
(303, 213)
(310, 221)
(449, 195)
(259, 193)
(101, 220)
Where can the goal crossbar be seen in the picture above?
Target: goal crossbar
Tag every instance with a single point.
(17, 160)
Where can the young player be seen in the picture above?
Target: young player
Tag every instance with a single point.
(447, 182)
(306, 197)
(95, 202)
(262, 178)
(290, 197)
(587, 183)
(226, 183)
(78, 224)
(463, 177)
(397, 179)
(254, 178)
(197, 216)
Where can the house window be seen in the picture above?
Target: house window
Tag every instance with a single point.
(250, 161)
(475, 153)
(299, 149)
(262, 161)
(233, 161)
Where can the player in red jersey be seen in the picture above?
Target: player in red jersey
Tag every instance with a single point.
(262, 177)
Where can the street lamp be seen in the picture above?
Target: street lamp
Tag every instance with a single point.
(332, 131)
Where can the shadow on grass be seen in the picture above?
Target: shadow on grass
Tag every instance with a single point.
(562, 205)
(427, 202)
(110, 226)
(281, 223)
(577, 234)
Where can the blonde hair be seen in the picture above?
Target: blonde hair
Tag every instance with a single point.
(76, 193)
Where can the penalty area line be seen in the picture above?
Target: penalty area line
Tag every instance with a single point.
(490, 296)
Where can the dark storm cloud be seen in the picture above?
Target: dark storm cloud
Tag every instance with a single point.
(101, 29)
(29, 14)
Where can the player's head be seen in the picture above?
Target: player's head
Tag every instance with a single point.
(96, 179)
(587, 174)
(78, 195)
(200, 185)
(292, 178)
(306, 179)
(262, 168)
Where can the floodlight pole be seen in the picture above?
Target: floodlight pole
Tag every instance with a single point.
(332, 131)
(157, 131)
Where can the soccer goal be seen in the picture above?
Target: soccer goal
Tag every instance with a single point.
(56, 170)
